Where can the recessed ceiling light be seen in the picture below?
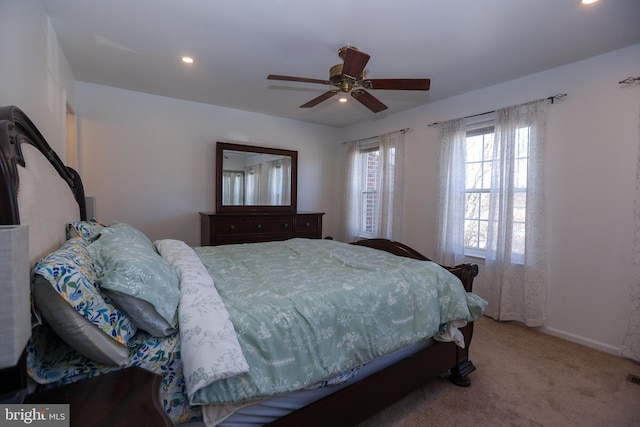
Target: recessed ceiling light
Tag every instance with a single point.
(588, 1)
(187, 60)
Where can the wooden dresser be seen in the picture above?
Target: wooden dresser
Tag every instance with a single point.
(227, 228)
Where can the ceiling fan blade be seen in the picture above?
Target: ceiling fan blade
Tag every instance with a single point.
(397, 84)
(319, 99)
(354, 63)
(368, 100)
(297, 79)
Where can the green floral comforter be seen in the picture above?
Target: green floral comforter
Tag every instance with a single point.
(285, 323)
(305, 310)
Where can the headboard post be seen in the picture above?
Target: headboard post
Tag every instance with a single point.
(15, 129)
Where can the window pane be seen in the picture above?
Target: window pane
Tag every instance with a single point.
(488, 146)
(522, 142)
(483, 232)
(472, 205)
(474, 148)
(520, 173)
(371, 171)
(368, 221)
(517, 245)
(471, 233)
(474, 175)
(519, 206)
(484, 206)
(486, 175)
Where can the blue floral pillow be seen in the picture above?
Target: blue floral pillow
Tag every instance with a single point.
(88, 230)
(70, 271)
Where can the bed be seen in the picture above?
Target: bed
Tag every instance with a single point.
(257, 290)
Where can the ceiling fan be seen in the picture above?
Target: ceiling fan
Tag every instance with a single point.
(350, 77)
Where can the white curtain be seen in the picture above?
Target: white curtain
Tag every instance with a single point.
(352, 200)
(390, 194)
(252, 184)
(279, 182)
(450, 223)
(391, 190)
(232, 188)
(631, 343)
(517, 285)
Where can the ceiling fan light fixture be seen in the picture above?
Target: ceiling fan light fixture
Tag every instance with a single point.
(343, 99)
(187, 60)
(346, 86)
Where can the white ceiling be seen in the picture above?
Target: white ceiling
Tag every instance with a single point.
(462, 45)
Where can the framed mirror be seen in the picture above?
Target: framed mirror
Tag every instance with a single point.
(255, 179)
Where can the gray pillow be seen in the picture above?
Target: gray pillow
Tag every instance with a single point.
(75, 329)
(142, 313)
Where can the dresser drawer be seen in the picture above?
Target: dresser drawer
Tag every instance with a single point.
(251, 227)
(308, 223)
(271, 225)
(230, 226)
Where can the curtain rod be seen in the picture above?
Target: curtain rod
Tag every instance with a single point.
(405, 130)
(549, 98)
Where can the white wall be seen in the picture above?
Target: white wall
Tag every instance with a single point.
(592, 147)
(150, 160)
(34, 72)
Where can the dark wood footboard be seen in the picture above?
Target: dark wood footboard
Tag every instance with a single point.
(363, 399)
(465, 272)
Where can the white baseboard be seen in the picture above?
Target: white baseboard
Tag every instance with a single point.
(582, 340)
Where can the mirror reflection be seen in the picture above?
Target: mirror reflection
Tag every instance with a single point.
(255, 179)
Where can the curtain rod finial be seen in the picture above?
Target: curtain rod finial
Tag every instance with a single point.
(557, 96)
(629, 80)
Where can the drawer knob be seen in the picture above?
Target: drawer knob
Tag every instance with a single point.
(259, 226)
(232, 227)
(308, 224)
(285, 225)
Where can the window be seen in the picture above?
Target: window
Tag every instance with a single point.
(479, 153)
(492, 205)
(369, 199)
(374, 179)
(478, 176)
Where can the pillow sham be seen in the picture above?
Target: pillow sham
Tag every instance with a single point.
(142, 313)
(69, 271)
(74, 329)
(88, 230)
(129, 231)
(138, 280)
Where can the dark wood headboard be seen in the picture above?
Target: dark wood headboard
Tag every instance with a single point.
(15, 129)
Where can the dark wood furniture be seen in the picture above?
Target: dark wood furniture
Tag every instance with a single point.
(226, 228)
(128, 397)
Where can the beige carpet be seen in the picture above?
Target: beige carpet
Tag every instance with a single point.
(525, 378)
